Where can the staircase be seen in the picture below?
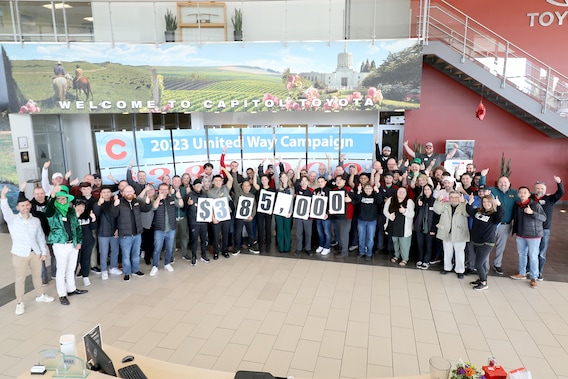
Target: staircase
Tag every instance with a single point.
(499, 71)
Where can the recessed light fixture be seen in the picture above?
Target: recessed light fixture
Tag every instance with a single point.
(90, 18)
(57, 6)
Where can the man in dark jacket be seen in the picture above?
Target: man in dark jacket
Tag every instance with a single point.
(165, 207)
(198, 229)
(528, 224)
(547, 202)
(127, 211)
(107, 233)
(141, 176)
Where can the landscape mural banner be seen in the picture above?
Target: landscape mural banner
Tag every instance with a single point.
(174, 152)
(216, 77)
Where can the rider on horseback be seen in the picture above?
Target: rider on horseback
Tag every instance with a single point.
(78, 75)
(59, 70)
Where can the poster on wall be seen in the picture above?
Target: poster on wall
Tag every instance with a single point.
(462, 157)
(215, 77)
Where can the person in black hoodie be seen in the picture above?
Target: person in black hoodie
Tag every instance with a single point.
(87, 220)
(486, 218)
(39, 202)
(425, 229)
(370, 202)
(197, 229)
(107, 236)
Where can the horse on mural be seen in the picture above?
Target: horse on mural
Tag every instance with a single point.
(60, 87)
(83, 84)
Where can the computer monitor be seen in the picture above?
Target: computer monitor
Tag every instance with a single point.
(97, 358)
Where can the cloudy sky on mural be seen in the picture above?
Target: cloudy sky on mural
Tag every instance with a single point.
(298, 56)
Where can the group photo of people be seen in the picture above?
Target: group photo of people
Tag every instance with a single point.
(409, 211)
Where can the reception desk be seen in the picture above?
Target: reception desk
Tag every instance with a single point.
(156, 369)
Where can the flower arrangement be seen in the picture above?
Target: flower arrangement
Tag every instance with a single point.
(466, 371)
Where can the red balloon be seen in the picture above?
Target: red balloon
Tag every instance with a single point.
(480, 111)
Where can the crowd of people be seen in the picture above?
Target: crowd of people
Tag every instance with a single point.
(411, 209)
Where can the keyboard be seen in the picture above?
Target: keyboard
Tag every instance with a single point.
(131, 372)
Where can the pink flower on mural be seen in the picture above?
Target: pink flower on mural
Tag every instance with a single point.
(267, 96)
(29, 107)
(375, 94)
(357, 95)
(289, 86)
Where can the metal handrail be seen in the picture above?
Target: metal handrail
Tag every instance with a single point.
(512, 65)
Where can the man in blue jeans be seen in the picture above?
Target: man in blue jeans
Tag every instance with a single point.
(165, 207)
(547, 202)
(127, 211)
(528, 221)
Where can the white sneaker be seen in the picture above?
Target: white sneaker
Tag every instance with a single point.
(104, 275)
(169, 267)
(86, 282)
(20, 309)
(44, 298)
(153, 271)
(319, 249)
(115, 271)
(325, 251)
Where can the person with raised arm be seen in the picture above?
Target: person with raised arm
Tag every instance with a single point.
(28, 248)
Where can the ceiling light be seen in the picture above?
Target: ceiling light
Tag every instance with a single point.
(57, 6)
(90, 18)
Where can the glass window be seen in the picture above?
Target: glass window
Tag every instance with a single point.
(123, 121)
(36, 22)
(101, 122)
(48, 142)
(7, 27)
(142, 120)
(79, 22)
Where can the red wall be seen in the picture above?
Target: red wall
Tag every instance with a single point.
(447, 111)
(509, 19)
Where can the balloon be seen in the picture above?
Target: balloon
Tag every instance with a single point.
(480, 111)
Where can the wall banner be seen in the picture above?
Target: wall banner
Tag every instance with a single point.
(214, 77)
(170, 152)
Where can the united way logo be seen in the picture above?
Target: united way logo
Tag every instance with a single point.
(558, 3)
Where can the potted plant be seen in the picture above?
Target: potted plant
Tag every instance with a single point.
(237, 20)
(171, 26)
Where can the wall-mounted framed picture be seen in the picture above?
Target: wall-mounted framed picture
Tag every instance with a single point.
(24, 156)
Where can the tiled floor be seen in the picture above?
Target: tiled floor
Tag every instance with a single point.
(308, 317)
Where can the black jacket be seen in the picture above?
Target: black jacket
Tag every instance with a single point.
(528, 225)
(484, 226)
(106, 221)
(192, 209)
(547, 202)
(37, 211)
(169, 203)
(369, 206)
(128, 220)
(420, 213)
